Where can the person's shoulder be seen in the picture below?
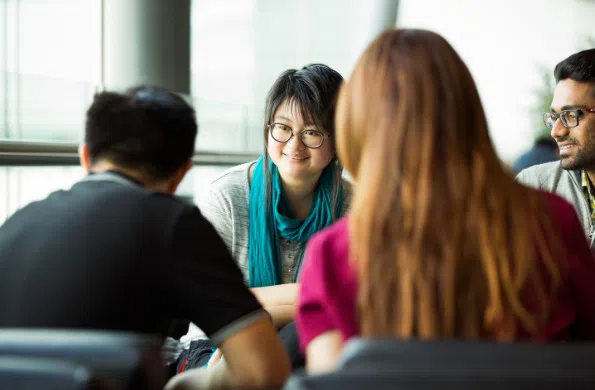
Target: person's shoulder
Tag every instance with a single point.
(336, 230)
(333, 240)
(234, 173)
(327, 254)
(539, 174)
(545, 168)
(33, 210)
(233, 178)
(163, 211)
(171, 215)
(562, 211)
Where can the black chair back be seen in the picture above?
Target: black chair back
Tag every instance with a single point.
(131, 360)
(20, 373)
(413, 365)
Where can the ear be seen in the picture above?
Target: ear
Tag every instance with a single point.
(84, 157)
(177, 177)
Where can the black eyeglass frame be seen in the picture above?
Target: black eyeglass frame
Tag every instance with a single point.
(550, 118)
(299, 134)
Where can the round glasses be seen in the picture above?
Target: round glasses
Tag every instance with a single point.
(569, 118)
(312, 139)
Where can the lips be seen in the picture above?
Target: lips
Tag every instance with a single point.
(566, 149)
(295, 157)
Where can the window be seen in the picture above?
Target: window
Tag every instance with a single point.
(239, 48)
(21, 185)
(50, 63)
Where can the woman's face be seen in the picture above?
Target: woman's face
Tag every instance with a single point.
(295, 161)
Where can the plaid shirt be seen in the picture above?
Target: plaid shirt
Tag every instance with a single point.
(586, 184)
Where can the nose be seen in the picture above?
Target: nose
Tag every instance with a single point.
(295, 143)
(558, 131)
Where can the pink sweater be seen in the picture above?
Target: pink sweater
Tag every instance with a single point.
(328, 292)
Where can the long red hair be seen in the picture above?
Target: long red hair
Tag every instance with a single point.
(446, 243)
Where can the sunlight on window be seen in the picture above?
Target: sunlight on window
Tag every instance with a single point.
(50, 66)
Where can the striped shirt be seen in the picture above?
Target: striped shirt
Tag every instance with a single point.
(588, 193)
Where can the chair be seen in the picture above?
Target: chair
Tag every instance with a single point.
(414, 365)
(132, 360)
(33, 373)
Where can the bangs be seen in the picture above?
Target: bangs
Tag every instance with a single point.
(304, 109)
(310, 96)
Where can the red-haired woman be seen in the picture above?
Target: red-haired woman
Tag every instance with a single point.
(440, 242)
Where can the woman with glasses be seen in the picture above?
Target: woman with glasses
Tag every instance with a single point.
(440, 241)
(266, 210)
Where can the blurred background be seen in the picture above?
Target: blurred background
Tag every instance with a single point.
(225, 54)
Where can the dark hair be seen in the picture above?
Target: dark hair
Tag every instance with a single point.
(578, 67)
(313, 91)
(148, 129)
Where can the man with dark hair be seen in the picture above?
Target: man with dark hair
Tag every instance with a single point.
(572, 123)
(118, 252)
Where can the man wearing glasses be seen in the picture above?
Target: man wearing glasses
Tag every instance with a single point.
(572, 123)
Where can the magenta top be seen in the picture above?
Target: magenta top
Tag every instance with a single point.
(328, 292)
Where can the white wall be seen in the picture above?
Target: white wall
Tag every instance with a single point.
(504, 43)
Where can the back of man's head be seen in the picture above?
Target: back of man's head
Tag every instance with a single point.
(146, 129)
(578, 67)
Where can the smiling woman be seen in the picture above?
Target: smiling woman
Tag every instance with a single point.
(300, 155)
(266, 210)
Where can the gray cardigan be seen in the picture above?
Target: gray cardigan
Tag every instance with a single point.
(553, 178)
(226, 207)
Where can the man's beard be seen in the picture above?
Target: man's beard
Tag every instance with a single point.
(580, 160)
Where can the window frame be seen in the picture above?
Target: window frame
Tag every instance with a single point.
(29, 153)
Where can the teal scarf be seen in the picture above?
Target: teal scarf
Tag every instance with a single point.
(267, 226)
